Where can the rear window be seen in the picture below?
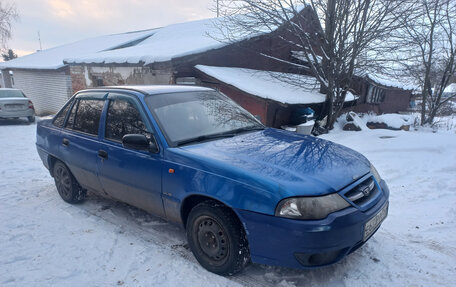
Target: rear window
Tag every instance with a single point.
(11, 94)
(85, 116)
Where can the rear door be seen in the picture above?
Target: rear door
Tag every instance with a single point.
(129, 175)
(80, 141)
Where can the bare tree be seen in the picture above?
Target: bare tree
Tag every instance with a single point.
(8, 14)
(429, 51)
(349, 38)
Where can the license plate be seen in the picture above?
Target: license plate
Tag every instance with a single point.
(374, 222)
(14, 107)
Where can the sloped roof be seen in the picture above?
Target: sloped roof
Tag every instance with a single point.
(144, 47)
(147, 46)
(450, 89)
(270, 85)
(388, 81)
(53, 58)
(165, 44)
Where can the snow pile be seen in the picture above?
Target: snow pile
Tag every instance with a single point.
(358, 121)
(275, 86)
(395, 121)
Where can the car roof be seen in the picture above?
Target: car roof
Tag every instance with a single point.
(154, 89)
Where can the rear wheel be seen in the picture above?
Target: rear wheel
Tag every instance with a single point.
(66, 184)
(217, 238)
(31, 119)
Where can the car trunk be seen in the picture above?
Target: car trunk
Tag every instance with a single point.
(14, 104)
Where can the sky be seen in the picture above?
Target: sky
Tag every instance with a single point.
(64, 21)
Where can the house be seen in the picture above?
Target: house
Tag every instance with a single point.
(271, 95)
(189, 53)
(166, 55)
(380, 94)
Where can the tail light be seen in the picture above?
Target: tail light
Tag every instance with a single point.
(31, 105)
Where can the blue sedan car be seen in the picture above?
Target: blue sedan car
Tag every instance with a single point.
(243, 192)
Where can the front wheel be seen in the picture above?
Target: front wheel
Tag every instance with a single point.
(31, 119)
(66, 184)
(217, 238)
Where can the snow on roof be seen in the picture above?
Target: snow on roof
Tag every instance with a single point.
(143, 47)
(53, 58)
(383, 80)
(270, 85)
(300, 55)
(165, 44)
(450, 89)
(388, 82)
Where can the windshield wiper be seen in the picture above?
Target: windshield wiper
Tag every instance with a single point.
(228, 134)
(206, 137)
(246, 129)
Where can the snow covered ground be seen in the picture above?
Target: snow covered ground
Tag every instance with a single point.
(46, 242)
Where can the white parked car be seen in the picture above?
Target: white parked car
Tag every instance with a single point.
(14, 104)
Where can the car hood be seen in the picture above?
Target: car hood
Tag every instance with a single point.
(292, 163)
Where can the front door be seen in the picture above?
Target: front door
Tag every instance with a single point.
(129, 175)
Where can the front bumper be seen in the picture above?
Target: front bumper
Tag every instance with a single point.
(306, 244)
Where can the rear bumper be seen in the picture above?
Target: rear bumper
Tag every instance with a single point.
(44, 156)
(16, 114)
(307, 244)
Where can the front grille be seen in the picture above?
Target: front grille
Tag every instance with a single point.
(363, 193)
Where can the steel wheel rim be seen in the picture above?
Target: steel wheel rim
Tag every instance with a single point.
(212, 240)
(63, 181)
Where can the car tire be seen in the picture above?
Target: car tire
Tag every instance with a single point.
(31, 119)
(67, 186)
(217, 238)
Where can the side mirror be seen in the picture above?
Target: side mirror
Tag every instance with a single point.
(139, 142)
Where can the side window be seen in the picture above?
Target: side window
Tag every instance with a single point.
(123, 118)
(85, 116)
(59, 119)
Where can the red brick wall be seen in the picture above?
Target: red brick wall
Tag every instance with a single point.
(77, 78)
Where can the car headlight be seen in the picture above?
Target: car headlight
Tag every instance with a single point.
(310, 207)
(374, 171)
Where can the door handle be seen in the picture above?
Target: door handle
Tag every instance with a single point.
(65, 142)
(103, 154)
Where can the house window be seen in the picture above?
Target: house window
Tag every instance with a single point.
(375, 95)
(99, 82)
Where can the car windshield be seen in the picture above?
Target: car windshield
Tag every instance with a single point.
(196, 116)
(11, 94)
